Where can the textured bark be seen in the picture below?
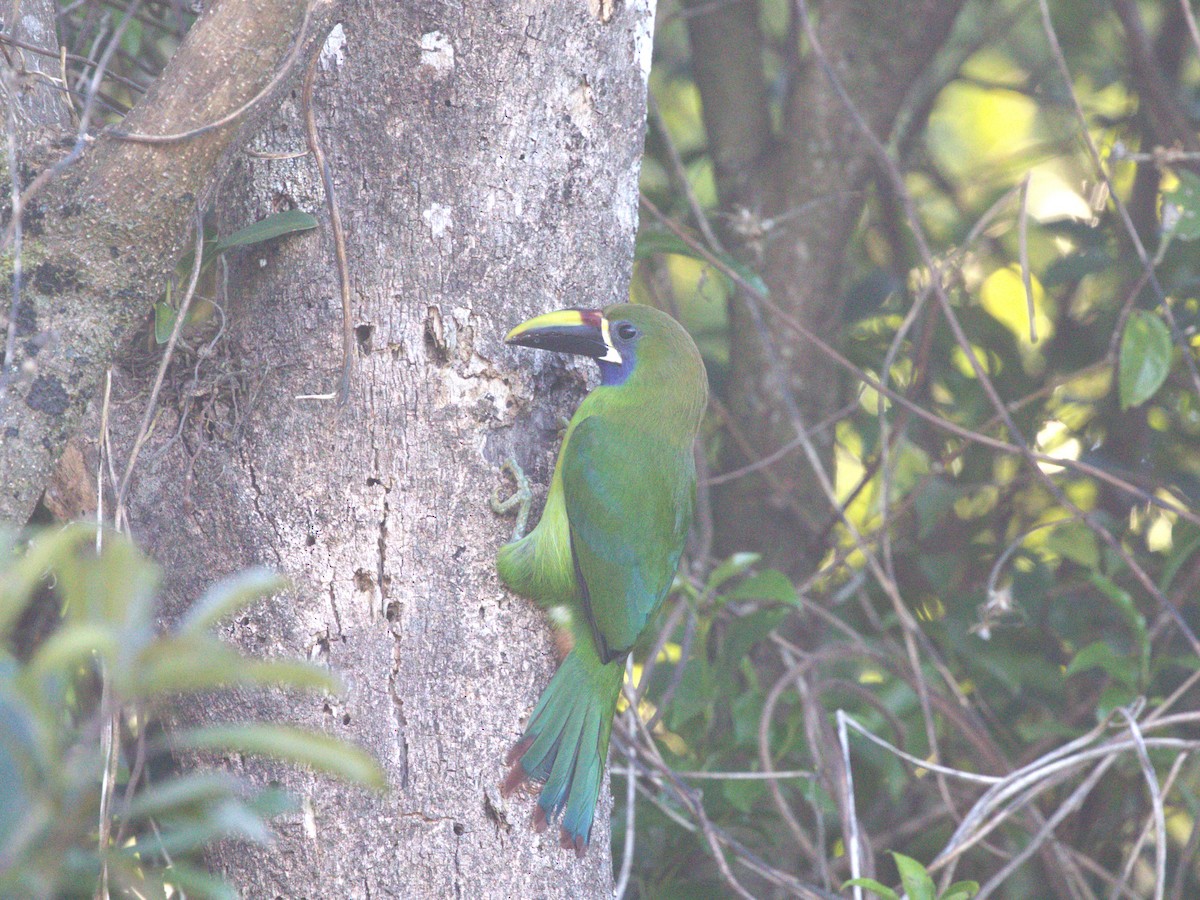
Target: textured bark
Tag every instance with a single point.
(33, 110)
(485, 161)
(818, 164)
(102, 240)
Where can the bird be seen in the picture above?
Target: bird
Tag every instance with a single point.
(607, 547)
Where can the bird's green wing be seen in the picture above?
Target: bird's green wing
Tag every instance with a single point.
(629, 503)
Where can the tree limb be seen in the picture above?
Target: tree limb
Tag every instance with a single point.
(110, 231)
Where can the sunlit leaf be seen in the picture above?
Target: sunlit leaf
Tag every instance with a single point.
(1145, 358)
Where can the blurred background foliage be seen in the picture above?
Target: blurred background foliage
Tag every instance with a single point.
(93, 803)
(1010, 605)
(981, 331)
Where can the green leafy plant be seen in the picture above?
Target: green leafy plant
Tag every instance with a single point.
(78, 734)
(917, 883)
(273, 226)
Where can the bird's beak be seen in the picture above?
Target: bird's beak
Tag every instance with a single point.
(581, 331)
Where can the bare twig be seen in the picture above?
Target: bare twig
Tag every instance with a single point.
(1156, 803)
(82, 138)
(975, 436)
(806, 844)
(1073, 802)
(63, 56)
(1023, 256)
(660, 773)
(339, 234)
(852, 839)
(630, 805)
(1190, 18)
(897, 180)
(168, 353)
(1122, 211)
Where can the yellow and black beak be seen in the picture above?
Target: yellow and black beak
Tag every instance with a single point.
(584, 332)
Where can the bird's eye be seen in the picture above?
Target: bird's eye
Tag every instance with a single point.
(626, 331)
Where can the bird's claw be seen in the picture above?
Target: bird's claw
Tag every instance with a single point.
(519, 500)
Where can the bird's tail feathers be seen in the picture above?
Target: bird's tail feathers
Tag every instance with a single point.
(565, 745)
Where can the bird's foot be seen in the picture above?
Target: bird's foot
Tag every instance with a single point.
(520, 499)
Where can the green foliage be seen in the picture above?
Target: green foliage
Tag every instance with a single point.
(273, 226)
(1015, 609)
(83, 704)
(1145, 358)
(917, 883)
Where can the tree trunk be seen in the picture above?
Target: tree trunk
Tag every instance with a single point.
(485, 163)
(106, 231)
(797, 194)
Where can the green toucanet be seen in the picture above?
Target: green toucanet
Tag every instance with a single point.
(606, 549)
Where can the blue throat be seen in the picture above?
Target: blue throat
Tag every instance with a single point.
(615, 374)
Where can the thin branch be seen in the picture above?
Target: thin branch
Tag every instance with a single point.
(339, 234)
(63, 56)
(1131, 231)
(168, 353)
(1189, 16)
(806, 844)
(1156, 803)
(1073, 802)
(1023, 256)
(885, 160)
(852, 839)
(974, 436)
(630, 810)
